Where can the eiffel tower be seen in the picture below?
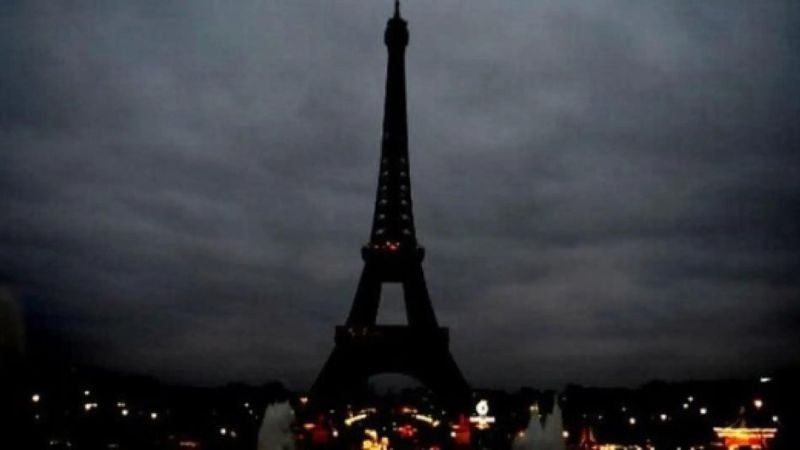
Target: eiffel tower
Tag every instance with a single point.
(392, 255)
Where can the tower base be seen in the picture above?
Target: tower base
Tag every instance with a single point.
(361, 352)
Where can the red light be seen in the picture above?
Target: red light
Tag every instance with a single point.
(406, 431)
(461, 432)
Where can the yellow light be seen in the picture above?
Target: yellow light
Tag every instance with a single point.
(352, 419)
(308, 426)
(423, 418)
(744, 433)
(482, 422)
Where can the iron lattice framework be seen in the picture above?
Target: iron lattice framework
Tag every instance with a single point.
(392, 255)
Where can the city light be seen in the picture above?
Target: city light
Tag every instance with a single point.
(758, 403)
(153, 415)
(685, 406)
(35, 398)
(663, 417)
(765, 379)
(703, 411)
(745, 433)
(124, 412)
(223, 431)
(89, 406)
(632, 420)
(565, 434)
(690, 398)
(352, 419)
(482, 420)
(86, 393)
(775, 419)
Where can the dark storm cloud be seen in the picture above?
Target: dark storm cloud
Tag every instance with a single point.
(607, 190)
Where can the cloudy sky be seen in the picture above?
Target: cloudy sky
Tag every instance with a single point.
(608, 191)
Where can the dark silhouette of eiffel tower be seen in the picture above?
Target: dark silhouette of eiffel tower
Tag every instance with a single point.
(392, 255)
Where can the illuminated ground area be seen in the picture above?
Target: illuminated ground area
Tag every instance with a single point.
(80, 410)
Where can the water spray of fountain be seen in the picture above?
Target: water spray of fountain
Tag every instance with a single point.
(275, 432)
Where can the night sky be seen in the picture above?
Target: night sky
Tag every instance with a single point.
(608, 191)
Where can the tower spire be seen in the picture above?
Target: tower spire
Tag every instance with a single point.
(393, 220)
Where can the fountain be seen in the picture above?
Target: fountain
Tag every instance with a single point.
(538, 437)
(275, 432)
